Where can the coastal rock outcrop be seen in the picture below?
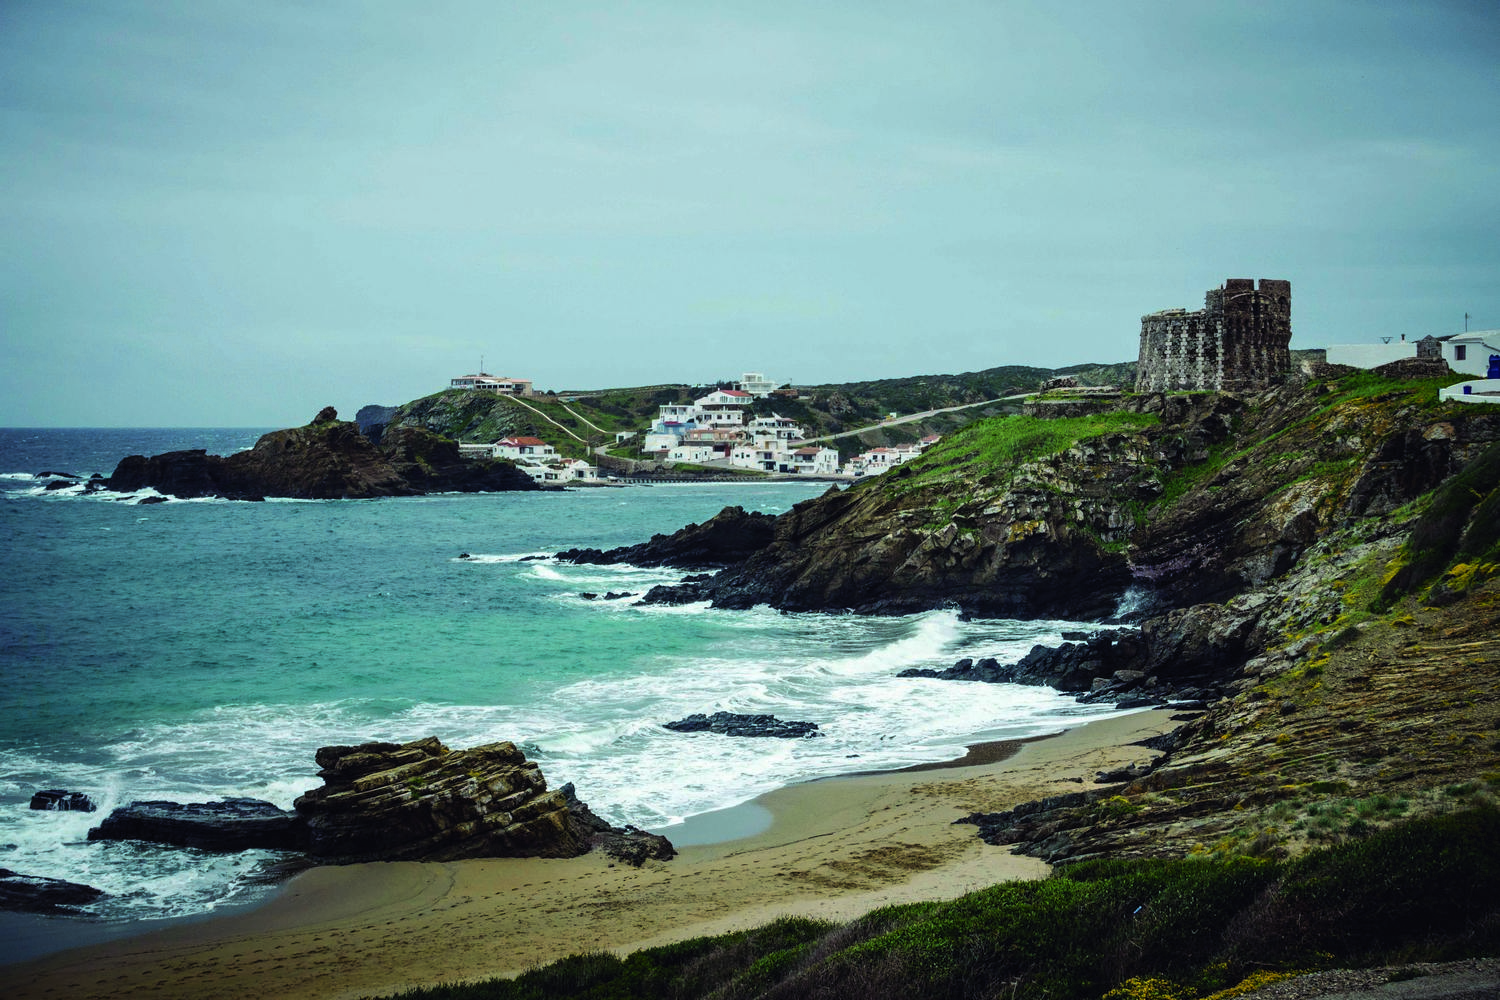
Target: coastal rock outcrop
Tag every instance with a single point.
(423, 801)
(726, 539)
(327, 459)
(235, 824)
(736, 724)
(416, 801)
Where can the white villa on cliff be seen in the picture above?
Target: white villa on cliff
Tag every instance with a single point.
(493, 383)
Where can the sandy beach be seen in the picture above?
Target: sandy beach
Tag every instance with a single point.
(833, 849)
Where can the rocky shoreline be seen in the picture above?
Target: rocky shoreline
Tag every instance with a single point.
(1266, 539)
(416, 801)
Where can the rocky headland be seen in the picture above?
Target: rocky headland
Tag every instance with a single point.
(327, 459)
(1310, 575)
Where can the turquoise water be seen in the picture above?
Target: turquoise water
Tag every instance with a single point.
(193, 650)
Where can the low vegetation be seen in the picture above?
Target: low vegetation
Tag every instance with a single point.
(989, 451)
(1424, 890)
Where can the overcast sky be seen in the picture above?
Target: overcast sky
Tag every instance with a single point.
(232, 214)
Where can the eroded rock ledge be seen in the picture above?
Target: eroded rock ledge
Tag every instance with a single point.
(726, 539)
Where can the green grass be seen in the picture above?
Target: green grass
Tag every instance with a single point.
(1420, 890)
(990, 450)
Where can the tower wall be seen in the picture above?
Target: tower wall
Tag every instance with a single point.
(1238, 341)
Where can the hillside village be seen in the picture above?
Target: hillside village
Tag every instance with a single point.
(716, 431)
(1239, 341)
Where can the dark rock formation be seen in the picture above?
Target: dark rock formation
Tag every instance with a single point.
(734, 724)
(430, 463)
(58, 800)
(1044, 828)
(236, 824)
(373, 419)
(1415, 368)
(726, 539)
(326, 460)
(34, 894)
(627, 844)
(422, 801)
(416, 801)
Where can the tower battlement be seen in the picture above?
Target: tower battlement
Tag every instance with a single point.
(1238, 341)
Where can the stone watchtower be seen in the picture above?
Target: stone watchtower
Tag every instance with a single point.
(1237, 341)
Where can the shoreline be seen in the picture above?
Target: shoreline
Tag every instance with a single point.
(831, 849)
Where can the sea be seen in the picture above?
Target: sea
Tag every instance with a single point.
(202, 649)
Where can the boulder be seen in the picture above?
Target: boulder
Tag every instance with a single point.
(423, 801)
(58, 800)
(627, 844)
(35, 894)
(733, 724)
(235, 824)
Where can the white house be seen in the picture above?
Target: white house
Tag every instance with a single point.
(676, 422)
(524, 449)
(695, 454)
(756, 385)
(784, 428)
(560, 471)
(493, 383)
(813, 461)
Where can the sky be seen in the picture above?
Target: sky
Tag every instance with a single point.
(233, 214)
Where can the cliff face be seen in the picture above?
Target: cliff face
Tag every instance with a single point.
(327, 459)
(1170, 502)
(1318, 568)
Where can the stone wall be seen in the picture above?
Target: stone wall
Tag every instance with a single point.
(1238, 341)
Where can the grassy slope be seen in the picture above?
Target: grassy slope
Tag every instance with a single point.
(1158, 930)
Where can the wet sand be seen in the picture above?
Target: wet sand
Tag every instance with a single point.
(834, 849)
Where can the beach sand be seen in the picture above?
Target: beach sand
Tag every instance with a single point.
(832, 849)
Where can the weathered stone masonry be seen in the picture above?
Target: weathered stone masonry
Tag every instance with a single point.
(1238, 341)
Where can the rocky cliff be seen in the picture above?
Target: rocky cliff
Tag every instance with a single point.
(328, 459)
(1314, 572)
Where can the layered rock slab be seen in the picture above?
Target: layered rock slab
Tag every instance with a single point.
(423, 801)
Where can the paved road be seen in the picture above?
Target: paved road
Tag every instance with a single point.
(915, 416)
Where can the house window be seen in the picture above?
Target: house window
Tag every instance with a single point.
(1460, 352)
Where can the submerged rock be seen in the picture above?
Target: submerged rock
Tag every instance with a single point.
(235, 824)
(59, 800)
(733, 724)
(35, 894)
